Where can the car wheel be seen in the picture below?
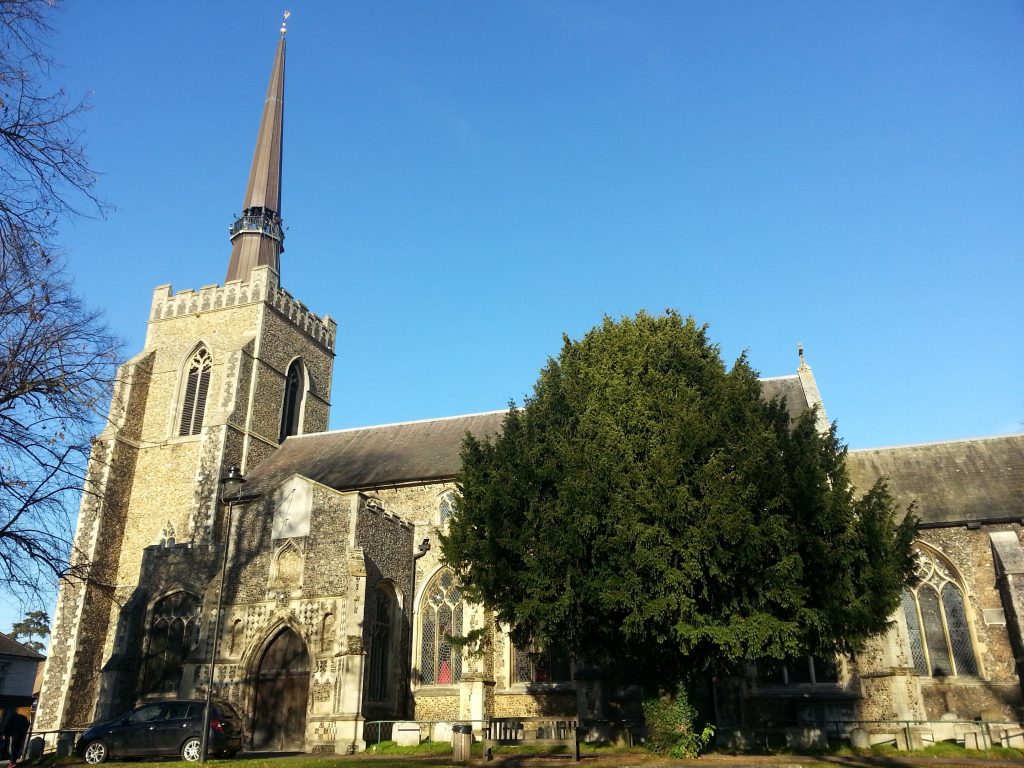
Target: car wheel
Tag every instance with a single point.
(95, 753)
(192, 750)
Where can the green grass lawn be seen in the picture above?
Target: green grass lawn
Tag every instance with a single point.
(389, 755)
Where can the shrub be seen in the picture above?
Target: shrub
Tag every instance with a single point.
(671, 726)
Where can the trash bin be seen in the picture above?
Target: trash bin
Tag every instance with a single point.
(462, 742)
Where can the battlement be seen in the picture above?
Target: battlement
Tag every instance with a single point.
(373, 505)
(262, 287)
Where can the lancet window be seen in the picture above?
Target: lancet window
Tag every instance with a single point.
(936, 616)
(291, 413)
(197, 386)
(445, 506)
(173, 632)
(440, 619)
(382, 643)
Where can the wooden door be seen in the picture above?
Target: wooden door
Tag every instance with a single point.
(282, 692)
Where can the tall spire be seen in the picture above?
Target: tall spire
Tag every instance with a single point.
(257, 236)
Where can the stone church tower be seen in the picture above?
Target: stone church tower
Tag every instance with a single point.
(227, 372)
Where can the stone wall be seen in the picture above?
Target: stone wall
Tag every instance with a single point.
(996, 689)
(535, 703)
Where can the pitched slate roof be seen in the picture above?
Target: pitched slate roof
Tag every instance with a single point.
(393, 454)
(789, 389)
(11, 647)
(419, 451)
(960, 481)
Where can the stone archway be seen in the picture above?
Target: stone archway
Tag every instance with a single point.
(282, 693)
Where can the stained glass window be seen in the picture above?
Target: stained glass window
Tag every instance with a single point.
(441, 617)
(959, 633)
(551, 666)
(937, 626)
(914, 632)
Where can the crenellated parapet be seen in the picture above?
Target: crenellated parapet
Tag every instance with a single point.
(373, 505)
(261, 287)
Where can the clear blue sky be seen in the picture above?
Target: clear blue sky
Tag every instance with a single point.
(465, 181)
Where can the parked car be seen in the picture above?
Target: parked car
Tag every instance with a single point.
(163, 728)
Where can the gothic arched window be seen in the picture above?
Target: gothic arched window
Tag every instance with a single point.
(440, 619)
(172, 634)
(445, 506)
(291, 414)
(937, 627)
(382, 645)
(193, 400)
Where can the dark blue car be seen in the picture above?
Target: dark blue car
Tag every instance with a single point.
(161, 729)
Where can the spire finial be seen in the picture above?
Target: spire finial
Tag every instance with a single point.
(257, 236)
(284, 23)
(800, 351)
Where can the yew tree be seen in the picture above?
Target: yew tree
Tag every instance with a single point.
(648, 508)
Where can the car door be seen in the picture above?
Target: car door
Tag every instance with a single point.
(135, 737)
(170, 731)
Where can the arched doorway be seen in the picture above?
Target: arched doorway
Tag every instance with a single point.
(282, 690)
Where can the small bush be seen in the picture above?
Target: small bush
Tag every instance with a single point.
(671, 727)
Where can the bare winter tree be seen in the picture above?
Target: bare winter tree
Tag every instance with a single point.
(57, 358)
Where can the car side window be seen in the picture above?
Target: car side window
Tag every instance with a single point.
(147, 714)
(178, 710)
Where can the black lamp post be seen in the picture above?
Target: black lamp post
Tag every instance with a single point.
(230, 494)
(423, 548)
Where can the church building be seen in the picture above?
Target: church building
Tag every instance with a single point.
(317, 588)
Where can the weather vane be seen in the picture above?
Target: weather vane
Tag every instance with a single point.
(284, 23)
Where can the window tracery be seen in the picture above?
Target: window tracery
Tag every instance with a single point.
(936, 617)
(441, 618)
(173, 632)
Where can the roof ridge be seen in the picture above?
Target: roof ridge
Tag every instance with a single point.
(397, 424)
(939, 442)
(461, 416)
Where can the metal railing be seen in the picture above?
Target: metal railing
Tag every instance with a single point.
(60, 742)
(378, 731)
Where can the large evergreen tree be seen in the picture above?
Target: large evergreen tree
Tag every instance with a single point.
(648, 507)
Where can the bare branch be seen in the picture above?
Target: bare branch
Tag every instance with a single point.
(57, 358)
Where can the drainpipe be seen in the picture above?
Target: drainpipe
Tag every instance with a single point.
(423, 548)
